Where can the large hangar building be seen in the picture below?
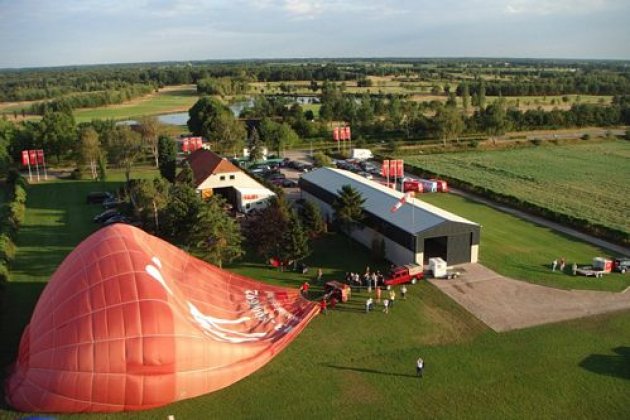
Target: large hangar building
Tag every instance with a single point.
(416, 232)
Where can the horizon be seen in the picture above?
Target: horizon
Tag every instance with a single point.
(39, 34)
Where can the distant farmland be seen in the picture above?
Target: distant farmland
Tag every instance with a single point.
(589, 181)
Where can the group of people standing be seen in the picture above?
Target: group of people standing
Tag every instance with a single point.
(561, 264)
(368, 279)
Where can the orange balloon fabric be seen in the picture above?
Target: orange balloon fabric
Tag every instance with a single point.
(130, 322)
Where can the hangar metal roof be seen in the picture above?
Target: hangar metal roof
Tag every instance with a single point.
(414, 216)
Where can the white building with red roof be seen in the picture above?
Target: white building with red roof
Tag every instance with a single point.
(214, 174)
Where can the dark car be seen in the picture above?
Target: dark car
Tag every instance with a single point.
(111, 203)
(97, 197)
(101, 217)
(622, 265)
(289, 183)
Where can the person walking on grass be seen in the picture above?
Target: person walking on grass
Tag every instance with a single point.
(392, 298)
(319, 275)
(419, 367)
(323, 306)
(386, 305)
(554, 264)
(403, 292)
(562, 264)
(368, 305)
(378, 295)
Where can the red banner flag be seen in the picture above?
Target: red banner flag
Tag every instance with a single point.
(25, 160)
(40, 156)
(32, 155)
(347, 132)
(185, 145)
(336, 134)
(385, 169)
(400, 169)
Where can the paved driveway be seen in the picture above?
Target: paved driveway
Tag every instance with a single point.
(506, 304)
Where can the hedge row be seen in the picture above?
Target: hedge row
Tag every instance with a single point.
(604, 232)
(11, 218)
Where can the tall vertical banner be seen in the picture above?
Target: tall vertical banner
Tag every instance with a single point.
(26, 161)
(336, 134)
(346, 130)
(42, 161)
(32, 157)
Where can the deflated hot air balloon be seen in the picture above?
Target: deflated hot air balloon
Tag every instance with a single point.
(130, 322)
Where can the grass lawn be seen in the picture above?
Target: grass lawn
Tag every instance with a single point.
(357, 365)
(176, 99)
(523, 250)
(584, 180)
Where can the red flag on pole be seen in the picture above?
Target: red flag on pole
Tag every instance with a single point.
(347, 132)
(25, 160)
(400, 202)
(336, 134)
(32, 155)
(40, 157)
(385, 169)
(400, 168)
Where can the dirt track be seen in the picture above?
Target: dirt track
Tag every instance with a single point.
(506, 304)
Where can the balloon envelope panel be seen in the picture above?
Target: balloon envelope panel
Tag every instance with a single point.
(130, 322)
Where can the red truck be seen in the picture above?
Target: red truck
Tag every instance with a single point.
(410, 184)
(404, 274)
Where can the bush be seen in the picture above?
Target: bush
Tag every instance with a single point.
(473, 144)
(321, 160)
(17, 211)
(4, 276)
(19, 194)
(586, 137)
(7, 249)
(536, 142)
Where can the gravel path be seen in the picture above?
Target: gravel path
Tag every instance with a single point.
(506, 304)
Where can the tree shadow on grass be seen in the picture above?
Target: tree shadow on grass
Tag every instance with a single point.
(617, 366)
(18, 303)
(365, 370)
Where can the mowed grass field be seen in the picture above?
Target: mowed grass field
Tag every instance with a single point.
(172, 99)
(349, 364)
(589, 181)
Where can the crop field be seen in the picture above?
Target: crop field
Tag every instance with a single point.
(588, 181)
(174, 99)
(349, 364)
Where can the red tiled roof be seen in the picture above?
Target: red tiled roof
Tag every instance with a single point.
(205, 163)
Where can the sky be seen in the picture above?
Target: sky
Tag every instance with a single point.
(36, 33)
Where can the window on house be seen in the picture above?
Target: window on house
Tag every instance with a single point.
(247, 206)
(232, 176)
(222, 177)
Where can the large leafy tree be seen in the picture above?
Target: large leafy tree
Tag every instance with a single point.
(150, 128)
(179, 216)
(229, 133)
(312, 219)
(264, 227)
(348, 207)
(125, 148)
(494, 118)
(215, 236)
(448, 123)
(56, 133)
(149, 198)
(294, 241)
(90, 149)
(7, 133)
(167, 151)
(255, 146)
(213, 120)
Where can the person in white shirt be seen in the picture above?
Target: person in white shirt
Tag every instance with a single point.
(368, 305)
(419, 367)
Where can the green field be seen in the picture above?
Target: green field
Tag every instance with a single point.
(588, 181)
(349, 364)
(177, 99)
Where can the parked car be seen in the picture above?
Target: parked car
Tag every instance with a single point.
(622, 265)
(276, 175)
(366, 175)
(101, 217)
(277, 181)
(289, 183)
(111, 203)
(97, 197)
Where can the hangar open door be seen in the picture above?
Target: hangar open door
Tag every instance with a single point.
(436, 247)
